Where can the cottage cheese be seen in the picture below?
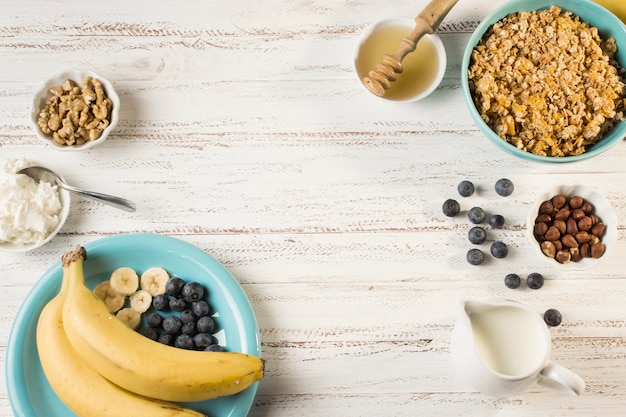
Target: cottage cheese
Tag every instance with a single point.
(29, 211)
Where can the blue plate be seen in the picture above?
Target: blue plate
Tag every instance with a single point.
(28, 389)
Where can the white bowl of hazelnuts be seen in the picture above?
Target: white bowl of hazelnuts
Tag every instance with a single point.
(572, 226)
(75, 110)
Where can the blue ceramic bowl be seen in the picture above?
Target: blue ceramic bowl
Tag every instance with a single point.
(595, 15)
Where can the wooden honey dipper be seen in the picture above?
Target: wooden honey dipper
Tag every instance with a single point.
(426, 22)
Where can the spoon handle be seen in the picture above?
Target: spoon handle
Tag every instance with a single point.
(118, 202)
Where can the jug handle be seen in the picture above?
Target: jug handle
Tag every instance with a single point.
(560, 378)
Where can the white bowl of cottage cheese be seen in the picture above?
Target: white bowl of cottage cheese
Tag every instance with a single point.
(31, 213)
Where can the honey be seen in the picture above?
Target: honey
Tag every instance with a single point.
(420, 67)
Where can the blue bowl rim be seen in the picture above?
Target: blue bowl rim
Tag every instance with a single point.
(601, 18)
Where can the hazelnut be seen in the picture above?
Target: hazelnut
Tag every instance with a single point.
(575, 254)
(576, 202)
(546, 207)
(582, 237)
(562, 214)
(597, 250)
(577, 214)
(569, 241)
(572, 226)
(585, 224)
(552, 233)
(543, 218)
(560, 225)
(540, 229)
(563, 256)
(585, 250)
(587, 207)
(548, 249)
(558, 201)
(598, 229)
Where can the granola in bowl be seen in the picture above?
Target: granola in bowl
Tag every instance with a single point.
(546, 82)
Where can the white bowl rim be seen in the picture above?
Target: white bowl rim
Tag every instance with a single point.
(602, 209)
(409, 23)
(65, 197)
(76, 75)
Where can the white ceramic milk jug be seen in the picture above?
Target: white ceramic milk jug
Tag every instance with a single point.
(500, 347)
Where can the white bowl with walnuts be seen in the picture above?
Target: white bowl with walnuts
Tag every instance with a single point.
(75, 110)
(572, 226)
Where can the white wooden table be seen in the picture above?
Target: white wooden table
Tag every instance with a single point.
(243, 131)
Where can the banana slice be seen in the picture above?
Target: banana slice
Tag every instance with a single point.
(129, 317)
(140, 301)
(154, 280)
(111, 298)
(124, 280)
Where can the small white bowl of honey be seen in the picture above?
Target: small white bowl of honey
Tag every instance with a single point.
(423, 69)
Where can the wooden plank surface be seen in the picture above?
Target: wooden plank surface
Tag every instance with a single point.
(244, 132)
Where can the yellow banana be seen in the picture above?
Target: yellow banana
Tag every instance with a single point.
(141, 365)
(83, 390)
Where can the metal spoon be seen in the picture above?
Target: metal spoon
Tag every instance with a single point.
(44, 174)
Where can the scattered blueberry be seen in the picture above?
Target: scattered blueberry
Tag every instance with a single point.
(202, 341)
(477, 235)
(496, 220)
(499, 249)
(205, 324)
(172, 324)
(154, 320)
(166, 339)
(475, 256)
(161, 302)
(512, 281)
(184, 341)
(552, 317)
(177, 304)
(174, 286)
(193, 291)
(465, 188)
(214, 348)
(187, 316)
(451, 207)
(200, 308)
(504, 187)
(476, 215)
(534, 280)
(188, 328)
(149, 332)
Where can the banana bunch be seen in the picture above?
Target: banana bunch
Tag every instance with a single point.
(99, 367)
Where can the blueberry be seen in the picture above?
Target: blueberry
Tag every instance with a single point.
(202, 340)
(174, 286)
(534, 280)
(187, 316)
(476, 215)
(161, 302)
(193, 291)
(200, 308)
(188, 328)
(451, 207)
(172, 325)
(477, 235)
(504, 187)
(166, 339)
(475, 256)
(184, 341)
(496, 220)
(552, 317)
(149, 332)
(499, 249)
(177, 304)
(512, 281)
(154, 320)
(205, 324)
(465, 188)
(214, 348)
